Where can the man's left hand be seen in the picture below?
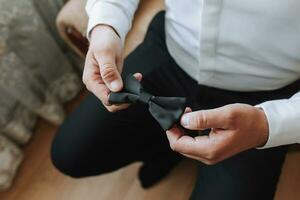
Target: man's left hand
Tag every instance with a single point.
(234, 128)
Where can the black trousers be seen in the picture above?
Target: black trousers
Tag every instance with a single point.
(93, 141)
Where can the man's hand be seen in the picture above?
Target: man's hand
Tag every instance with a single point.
(103, 64)
(234, 128)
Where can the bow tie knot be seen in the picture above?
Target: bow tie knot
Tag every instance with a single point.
(145, 97)
(166, 110)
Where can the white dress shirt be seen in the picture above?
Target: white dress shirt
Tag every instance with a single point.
(237, 45)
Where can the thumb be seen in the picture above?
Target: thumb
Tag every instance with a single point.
(109, 72)
(204, 119)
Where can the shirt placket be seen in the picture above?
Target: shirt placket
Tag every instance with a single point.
(210, 18)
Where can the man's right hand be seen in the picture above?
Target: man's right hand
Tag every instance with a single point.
(103, 65)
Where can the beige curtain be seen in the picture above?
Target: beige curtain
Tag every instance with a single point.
(37, 76)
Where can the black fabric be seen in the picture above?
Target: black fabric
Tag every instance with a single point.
(93, 141)
(165, 110)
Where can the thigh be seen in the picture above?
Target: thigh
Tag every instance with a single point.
(249, 175)
(101, 141)
(104, 141)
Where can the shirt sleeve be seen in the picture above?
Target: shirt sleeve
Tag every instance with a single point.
(115, 13)
(284, 121)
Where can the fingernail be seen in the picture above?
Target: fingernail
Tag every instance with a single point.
(115, 85)
(185, 120)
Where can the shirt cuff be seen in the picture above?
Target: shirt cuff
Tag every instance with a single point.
(283, 118)
(109, 14)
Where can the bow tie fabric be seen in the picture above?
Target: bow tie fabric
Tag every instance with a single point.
(165, 110)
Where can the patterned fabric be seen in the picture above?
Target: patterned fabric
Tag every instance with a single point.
(36, 76)
(10, 158)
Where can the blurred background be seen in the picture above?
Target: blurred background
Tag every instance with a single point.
(42, 48)
(38, 74)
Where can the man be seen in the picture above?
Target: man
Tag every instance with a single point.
(238, 64)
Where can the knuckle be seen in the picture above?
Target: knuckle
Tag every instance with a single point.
(173, 146)
(108, 71)
(87, 87)
(105, 102)
(113, 110)
(84, 79)
(232, 116)
(200, 120)
(110, 108)
(210, 162)
(212, 154)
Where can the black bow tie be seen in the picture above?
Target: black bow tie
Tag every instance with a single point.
(166, 110)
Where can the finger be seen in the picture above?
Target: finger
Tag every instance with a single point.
(180, 142)
(100, 91)
(91, 70)
(174, 134)
(204, 119)
(120, 62)
(92, 79)
(138, 76)
(194, 157)
(109, 72)
(190, 156)
(199, 146)
(115, 108)
(187, 110)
